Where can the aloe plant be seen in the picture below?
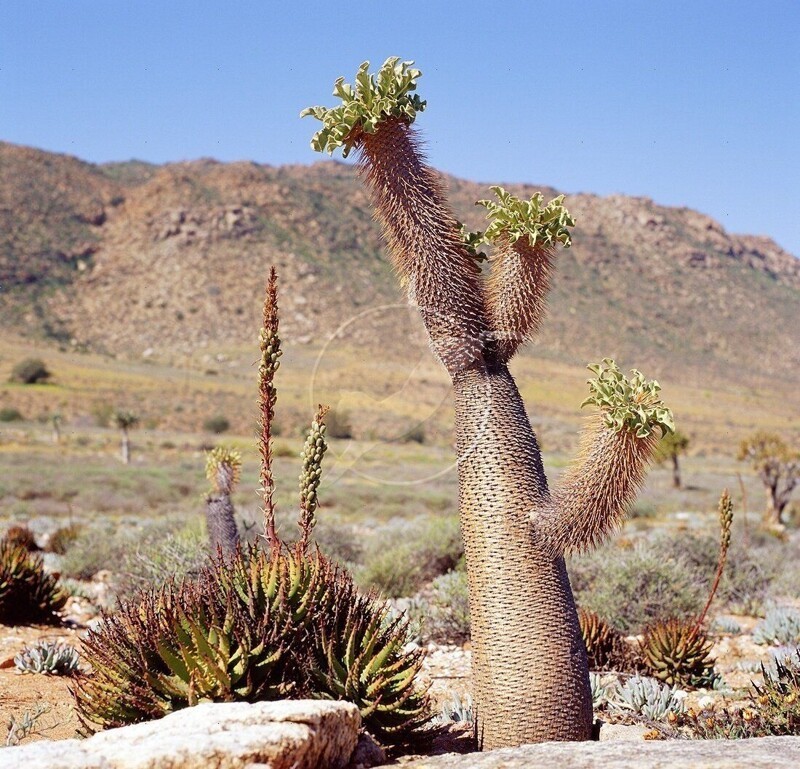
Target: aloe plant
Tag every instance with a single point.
(267, 621)
(529, 664)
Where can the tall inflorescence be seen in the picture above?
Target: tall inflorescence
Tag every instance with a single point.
(270, 345)
(529, 664)
(313, 451)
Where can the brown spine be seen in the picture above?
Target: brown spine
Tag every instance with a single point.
(424, 243)
(591, 500)
(517, 288)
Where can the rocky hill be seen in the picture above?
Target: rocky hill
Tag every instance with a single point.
(129, 257)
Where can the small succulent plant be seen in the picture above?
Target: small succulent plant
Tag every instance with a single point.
(678, 652)
(22, 535)
(633, 403)
(778, 697)
(780, 627)
(605, 647)
(726, 626)
(458, 710)
(604, 689)
(649, 698)
(28, 594)
(48, 657)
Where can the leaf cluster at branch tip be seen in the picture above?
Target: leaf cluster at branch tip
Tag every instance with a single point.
(512, 219)
(634, 404)
(389, 93)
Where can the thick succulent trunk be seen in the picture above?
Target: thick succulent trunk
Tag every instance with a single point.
(526, 641)
(527, 647)
(222, 531)
(125, 448)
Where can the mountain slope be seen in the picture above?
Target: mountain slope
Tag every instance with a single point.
(127, 257)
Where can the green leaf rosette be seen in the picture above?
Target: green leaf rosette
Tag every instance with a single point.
(371, 100)
(634, 404)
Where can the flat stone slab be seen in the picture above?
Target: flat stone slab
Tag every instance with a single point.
(300, 734)
(761, 753)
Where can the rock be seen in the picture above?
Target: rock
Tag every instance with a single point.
(367, 753)
(623, 732)
(761, 753)
(301, 734)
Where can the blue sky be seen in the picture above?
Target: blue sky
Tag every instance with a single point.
(690, 103)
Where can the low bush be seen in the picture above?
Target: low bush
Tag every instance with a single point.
(404, 556)
(632, 588)
(339, 425)
(10, 415)
(30, 371)
(217, 424)
(443, 614)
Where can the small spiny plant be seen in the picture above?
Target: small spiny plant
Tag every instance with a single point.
(28, 594)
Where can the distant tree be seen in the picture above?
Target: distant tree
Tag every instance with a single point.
(30, 371)
(125, 421)
(778, 467)
(670, 447)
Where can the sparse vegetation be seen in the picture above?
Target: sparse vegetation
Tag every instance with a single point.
(407, 555)
(10, 415)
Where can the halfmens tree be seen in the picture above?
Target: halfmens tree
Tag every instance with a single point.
(223, 468)
(529, 661)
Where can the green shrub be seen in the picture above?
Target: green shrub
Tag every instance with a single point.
(444, 614)
(30, 371)
(216, 424)
(97, 548)
(10, 415)
(407, 555)
(161, 555)
(28, 594)
(631, 588)
(415, 435)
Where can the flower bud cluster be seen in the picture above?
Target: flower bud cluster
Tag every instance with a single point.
(313, 451)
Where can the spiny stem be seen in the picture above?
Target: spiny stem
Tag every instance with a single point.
(725, 521)
(270, 345)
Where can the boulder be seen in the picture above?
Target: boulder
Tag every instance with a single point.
(761, 753)
(302, 734)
